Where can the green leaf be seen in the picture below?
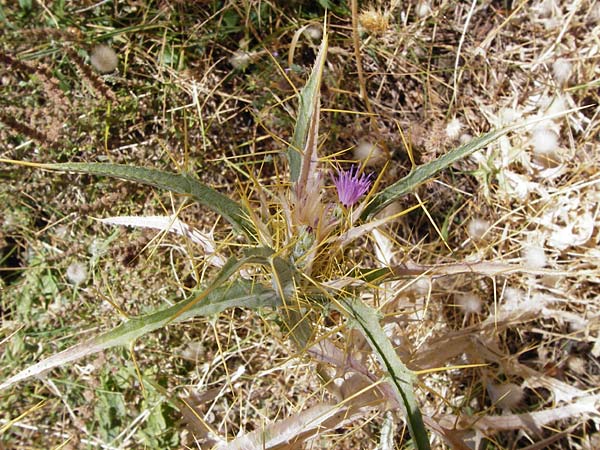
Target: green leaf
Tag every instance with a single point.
(26, 4)
(401, 378)
(297, 323)
(424, 172)
(326, 4)
(237, 294)
(302, 150)
(232, 211)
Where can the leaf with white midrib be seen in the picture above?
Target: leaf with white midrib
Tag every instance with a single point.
(401, 378)
(301, 152)
(232, 211)
(238, 294)
(425, 172)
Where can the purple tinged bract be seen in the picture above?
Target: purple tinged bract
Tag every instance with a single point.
(351, 186)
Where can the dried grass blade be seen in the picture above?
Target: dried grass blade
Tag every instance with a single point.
(172, 224)
(533, 422)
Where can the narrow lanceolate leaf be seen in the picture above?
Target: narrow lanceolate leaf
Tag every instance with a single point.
(424, 172)
(232, 211)
(401, 378)
(238, 294)
(302, 155)
(298, 324)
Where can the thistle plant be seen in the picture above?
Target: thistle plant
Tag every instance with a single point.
(297, 233)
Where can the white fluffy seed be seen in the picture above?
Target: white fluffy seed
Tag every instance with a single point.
(534, 257)
(544, 141)
(547, 8)
(513, 299)
(595, 13)
(240, 60)
(465, 138)
(470, 303)
(477, 229)
(369, 153)
(193, 351)
(314, 32)
(561, 69)
(61, 231)
(423, 9)
(557, 106)
(421, 286)
(508, 116)
(76, 273)
(453, 128)
(104, 59)
(507, 396)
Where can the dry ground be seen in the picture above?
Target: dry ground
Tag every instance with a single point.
(204, 87)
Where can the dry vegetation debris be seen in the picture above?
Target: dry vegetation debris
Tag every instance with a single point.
(206, 87)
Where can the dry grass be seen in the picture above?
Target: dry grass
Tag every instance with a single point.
(433, 74)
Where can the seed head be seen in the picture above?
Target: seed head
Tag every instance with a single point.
(351, 186)
(477, 229)
(104, 59)
(374, 21)
(562, 69)
(76, 273)
(470, 303)
(507, 396)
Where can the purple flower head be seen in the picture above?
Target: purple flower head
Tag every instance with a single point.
(350, 186)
